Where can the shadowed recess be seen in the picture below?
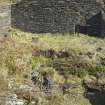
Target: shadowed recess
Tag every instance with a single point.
(96, 97)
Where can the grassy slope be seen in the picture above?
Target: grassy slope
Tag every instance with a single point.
(16, 53)
(87, 49)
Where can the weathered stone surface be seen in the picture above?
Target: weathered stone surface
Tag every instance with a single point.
(5, 19)
(59, 16)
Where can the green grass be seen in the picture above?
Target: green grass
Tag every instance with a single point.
(82, 43)
(83, 48)
(16, 61)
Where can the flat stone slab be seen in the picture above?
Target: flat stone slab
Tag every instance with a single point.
(5, 19)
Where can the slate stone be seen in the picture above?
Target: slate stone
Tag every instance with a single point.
(5, 19)
(61, 16)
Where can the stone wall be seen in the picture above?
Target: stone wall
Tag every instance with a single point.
(5, 19)
(44, 16)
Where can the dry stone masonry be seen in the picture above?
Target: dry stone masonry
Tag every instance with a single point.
(60, 16)
(5, 19)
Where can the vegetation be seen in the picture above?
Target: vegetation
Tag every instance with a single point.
(86, 54)
(23, 53)
(66, 59)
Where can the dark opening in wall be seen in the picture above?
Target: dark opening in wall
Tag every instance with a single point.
(93, 26)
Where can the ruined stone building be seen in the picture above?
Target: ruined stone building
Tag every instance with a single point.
(60, 16)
